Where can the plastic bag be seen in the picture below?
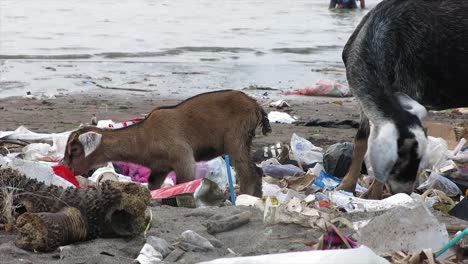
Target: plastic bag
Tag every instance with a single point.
(337, 159)
(436, 154)
(438, 182)
(217, 172)
(304, 151)
(280, 117)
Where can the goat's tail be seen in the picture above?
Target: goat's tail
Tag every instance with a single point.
(264, 122)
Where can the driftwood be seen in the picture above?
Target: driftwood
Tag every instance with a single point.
(228, 223)
(121, 88)
(56, 216)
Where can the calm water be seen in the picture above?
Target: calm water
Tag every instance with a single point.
(249, 38)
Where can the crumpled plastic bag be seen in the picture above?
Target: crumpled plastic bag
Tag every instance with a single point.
(304, 151)
(323, 88)
(438, 182)
(337, 159)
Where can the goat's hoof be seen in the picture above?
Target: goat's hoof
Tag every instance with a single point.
(346, 187)
(370, 195)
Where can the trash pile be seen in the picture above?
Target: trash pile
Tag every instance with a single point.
(299, 188)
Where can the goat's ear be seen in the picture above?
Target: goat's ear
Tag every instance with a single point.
(410, 105)
(90, 142)
(383, 149)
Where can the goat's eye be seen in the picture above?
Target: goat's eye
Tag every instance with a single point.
(74, 151)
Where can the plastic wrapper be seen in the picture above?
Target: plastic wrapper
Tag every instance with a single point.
(438, 182)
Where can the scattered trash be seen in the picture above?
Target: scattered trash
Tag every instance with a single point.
(283, 195)
(280, 117)
(323, 88)
(294, 211)
(196, 193)
(325, 181)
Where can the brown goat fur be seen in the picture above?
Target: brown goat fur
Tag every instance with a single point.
(175, 137)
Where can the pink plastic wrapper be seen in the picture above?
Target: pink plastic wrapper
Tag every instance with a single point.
(323, 88)
(186, 187)
(140, 173)
(137, 172)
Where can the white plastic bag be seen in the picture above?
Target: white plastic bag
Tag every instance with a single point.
(217, 172)
(438, 182)
(280, 117)
(436, 154)
(304, 151)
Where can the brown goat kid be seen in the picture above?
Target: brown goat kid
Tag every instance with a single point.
(175, 137)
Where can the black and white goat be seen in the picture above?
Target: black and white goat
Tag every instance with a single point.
(404, 52)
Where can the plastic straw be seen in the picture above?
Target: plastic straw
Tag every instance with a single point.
(451, 243)
(231, 186)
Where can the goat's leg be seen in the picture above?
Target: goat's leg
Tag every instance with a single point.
(375, 191)
(249, 176)
(359, 151)
(156, 178)
(182, 161)
(185, 168)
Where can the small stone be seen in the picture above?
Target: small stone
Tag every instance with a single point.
(174, 255)
(191, 241)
